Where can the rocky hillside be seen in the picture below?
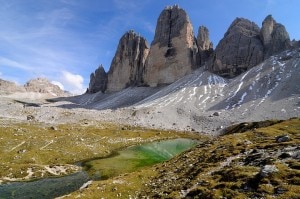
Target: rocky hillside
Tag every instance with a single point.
(7, 87)
(38, 86)
(175, 52)
(205, 102)
(262, 162)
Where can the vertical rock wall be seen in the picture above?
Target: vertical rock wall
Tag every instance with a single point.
(173, 49)
(127, 67)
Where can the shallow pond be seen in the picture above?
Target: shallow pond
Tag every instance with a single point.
(133, 158)
(124, 161)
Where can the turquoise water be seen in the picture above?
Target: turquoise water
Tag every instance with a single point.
(136, 157)
(124, 161)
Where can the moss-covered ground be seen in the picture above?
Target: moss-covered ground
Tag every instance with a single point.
(222, 167)
(228, 166)
(32, 150)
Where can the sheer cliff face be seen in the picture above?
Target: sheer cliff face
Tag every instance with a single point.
(239, 50)
(274, 36)
(127, 67)
(98, 81)
(173, 51)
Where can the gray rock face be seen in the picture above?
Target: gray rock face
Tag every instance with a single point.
(98, 81)
(174, 50)
(274, 36)
(239, 50)
(203, 40)
(7, 87)
(205, 46)
(42, 85)
(127, 67)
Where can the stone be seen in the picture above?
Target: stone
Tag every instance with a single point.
(282, 138)
(128, 64)
(205, 46)
(173, 51)
(30, 117)
(274, 36)
(216, 114)
(98, 81)
(267, 170)
(239, 50)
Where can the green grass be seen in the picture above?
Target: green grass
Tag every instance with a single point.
(33, 145)
(201, 170)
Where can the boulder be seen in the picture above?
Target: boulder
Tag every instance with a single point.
(127, 67)
(239, 50)
(274, 36)
(173, 51)
(98, 81)
(283, 138)
(267, 170)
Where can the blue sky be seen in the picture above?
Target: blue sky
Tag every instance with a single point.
(66, 40)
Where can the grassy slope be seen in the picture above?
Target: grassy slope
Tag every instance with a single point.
(26, 147)
(224, 167)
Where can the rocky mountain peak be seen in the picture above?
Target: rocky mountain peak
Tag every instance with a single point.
(239, 50)
(169, 24)
(274, 36)
(203, 40)
(127, 67)
(205, 46)
(173, 51)
(98, 80)
(43, 85)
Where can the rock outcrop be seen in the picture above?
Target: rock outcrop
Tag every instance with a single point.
(127, 67)
(43, 85)
(173, 51)
(205, 46)
(239, 50)
(274, 36)
(7, 87)
(98, 81)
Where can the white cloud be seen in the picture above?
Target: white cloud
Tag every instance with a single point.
(72, 82)
(61, 86)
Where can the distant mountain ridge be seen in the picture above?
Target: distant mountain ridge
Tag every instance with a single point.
(176, 52)
(38, 85)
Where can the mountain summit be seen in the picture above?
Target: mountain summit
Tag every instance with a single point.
(175, 51)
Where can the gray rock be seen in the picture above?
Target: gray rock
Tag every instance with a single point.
(216, 114)
(30, 117)
(98, 81)
(205, 46)
(282, 138)
(127, 67)
(239, 50)
(43, 85)
(267, 170)
(174, 50)
(7, 87)
(274, 36)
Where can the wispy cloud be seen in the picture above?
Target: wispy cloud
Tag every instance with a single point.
(5, 62)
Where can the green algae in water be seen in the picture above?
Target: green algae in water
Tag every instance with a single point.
(136, 157)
